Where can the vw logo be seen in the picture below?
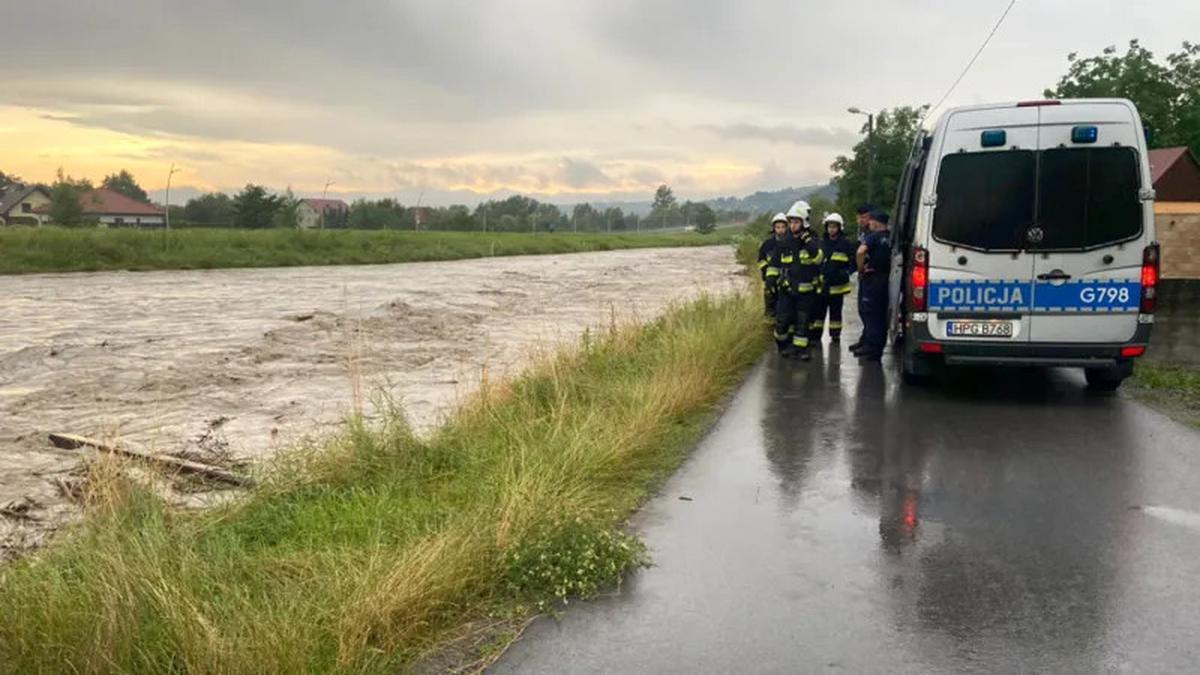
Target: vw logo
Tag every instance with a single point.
(1035, 235)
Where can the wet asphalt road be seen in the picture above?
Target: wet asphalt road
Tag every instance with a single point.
(1005, 521)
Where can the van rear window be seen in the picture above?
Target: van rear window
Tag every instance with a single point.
(985, 199)
(1088, 197)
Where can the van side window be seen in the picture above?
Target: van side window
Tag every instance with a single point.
(985, 199)
(1088, 197)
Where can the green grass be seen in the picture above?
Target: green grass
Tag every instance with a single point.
(1172, 386)
(50, 249)
(366, 554)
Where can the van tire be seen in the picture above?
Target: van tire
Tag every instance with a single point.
(915, 369)
(1103, 379)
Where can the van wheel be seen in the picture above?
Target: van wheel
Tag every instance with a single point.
(915, 370)
(1103, 379)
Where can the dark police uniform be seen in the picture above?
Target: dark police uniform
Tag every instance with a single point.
(838, 265)
(800, 258)
(769, 268)
(873, 293)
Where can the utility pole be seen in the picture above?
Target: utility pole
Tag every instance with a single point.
(324, 208)
(167, 199)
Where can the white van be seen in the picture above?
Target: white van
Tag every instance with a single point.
(1024, 235)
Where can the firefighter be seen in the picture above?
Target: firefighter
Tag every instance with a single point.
(836, 268)
(768, 264)
(800, 260)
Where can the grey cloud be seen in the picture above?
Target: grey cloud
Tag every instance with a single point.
(581, 174)
(786, 133)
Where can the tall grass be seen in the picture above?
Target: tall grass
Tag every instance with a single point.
(50, 249)
(366, 554)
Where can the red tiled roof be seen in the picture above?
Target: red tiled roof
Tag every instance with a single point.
(319, 205)
(105, 202)
(1163, 159)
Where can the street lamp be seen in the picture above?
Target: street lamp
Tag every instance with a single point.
(870, 151)
(167, 198)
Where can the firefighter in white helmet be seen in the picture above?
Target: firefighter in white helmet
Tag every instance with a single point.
(801, 263)
(768, 264)
(836, 267)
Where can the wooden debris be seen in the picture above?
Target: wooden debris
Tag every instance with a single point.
(73, 442)
(20, 509)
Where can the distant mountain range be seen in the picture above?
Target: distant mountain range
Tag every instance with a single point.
(759, 202)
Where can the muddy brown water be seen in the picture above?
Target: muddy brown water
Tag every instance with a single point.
(241, 363)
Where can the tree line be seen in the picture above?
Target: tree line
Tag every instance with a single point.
(256, 207)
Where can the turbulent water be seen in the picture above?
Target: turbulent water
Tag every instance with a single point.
(239, 363)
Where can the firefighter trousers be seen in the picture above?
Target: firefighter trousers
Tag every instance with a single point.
(831, 305)
(791, 320)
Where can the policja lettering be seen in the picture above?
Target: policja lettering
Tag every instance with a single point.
(979, 295)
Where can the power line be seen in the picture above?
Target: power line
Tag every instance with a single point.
(973, 60)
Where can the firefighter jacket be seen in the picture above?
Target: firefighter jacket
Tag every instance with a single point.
(768, 259)
(838, 264)
(801, 259)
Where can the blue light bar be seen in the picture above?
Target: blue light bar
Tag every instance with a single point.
(993, 138)
(1084, 134)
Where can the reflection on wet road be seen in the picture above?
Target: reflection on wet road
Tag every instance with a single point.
(1003, 521)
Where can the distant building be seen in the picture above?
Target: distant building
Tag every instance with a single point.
(19, 204)
(110, 208)
(1175, 174)
(421, 215)
(313, 213)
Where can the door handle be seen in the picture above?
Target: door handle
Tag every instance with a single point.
(1054, 276)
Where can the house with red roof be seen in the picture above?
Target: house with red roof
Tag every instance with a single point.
(312, 213)
(1175, 174)
(109, 208)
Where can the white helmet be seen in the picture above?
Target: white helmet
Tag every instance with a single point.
(834, 218)
(780, 217)
(799, 210)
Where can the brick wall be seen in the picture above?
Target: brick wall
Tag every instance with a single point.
(1179, 234)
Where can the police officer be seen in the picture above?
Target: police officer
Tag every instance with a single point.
(800, 259)
(861, 218)
(768, 264)
(836, 268)
(874, 258)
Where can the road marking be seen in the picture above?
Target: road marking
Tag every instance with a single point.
(1189, 519)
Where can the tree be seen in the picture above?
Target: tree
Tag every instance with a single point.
(66, 199)
(255, 208)
(888, 147)
(287, 214)
(124, 183)
(664, 198)
(704, 218)
(1167, 94)
(7, 180)
(214, 208)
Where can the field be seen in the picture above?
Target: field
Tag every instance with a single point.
(49, 249)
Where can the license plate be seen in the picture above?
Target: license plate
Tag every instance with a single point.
(993, 329)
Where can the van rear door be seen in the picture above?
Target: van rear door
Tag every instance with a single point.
(979, 273)
(1091, 224)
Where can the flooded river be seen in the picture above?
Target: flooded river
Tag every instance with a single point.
(244, 362)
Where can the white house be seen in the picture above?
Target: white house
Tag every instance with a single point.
(19, 205)
(322, 213)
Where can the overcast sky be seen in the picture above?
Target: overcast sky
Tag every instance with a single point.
(560, 99)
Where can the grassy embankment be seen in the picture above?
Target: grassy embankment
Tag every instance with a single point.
(1173, 387)
(366, 554)
(27, 250)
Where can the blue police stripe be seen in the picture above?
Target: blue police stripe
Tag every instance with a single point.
(1014, 295)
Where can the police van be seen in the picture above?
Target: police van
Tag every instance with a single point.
(1024, 235)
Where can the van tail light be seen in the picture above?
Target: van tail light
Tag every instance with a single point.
(918, 287)
(1133, 351)
(1039, 103)
(1151, 260)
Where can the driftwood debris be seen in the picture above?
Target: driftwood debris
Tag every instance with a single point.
(73, 442)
